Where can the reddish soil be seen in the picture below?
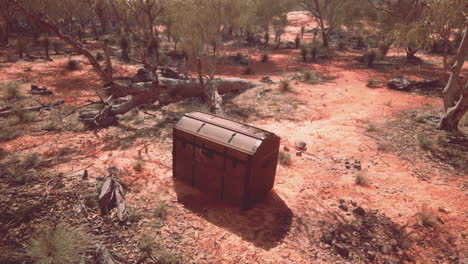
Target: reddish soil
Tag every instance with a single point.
(286, 227)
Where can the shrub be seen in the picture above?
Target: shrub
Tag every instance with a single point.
(284, 86)
(73, 65)
(297, 41)
(372, 83)
(146, 244)
(284, 158)
(99, 56)
(31, 161)
(311, 78)
(371, 127)
(361, 179)
(248, 70)
(167, 257)
(138, 166)
(134, 216)
(426, 217)
(265, 57)
(161, 210)
(62, 244)
(90, 199)
(10, 90)
(8, 133)
(425, 142)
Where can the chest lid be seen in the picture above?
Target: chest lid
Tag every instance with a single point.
(223, 131)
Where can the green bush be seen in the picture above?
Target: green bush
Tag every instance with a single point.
(61, 245)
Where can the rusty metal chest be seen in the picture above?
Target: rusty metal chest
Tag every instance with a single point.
(226, 159)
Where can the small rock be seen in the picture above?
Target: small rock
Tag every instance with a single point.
(342, 250)
(353, 203)
(357, 164)
(342, 201)
(286, 149)
(343, 207)
(347, 164)
(441, 219)
(359, 211)
(442, 210)
(301, 145)
(400, 84)
(299, 154)
(85, 175)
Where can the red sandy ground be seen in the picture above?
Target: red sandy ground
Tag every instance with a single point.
(330, 118)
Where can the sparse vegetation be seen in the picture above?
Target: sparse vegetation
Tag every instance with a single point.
(361, 179)
(161, 210)
(425, 142)
(372, 83)
(60, 244)
(426, 217)
(138, 166)
(284, 86)
(10, 90)
(73, 65)
(8, 133)
(284, 158)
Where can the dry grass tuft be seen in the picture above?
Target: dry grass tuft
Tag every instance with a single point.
(10, 90)
(62, 244)
(285, 86)
(361, 179)
(284, 158)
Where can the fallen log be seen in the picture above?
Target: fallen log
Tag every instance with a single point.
(166, 91)
(29, 109)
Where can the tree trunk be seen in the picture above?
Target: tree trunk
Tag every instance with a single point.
(454, 115)
(325, 38)
(452, 89)
(210, 91)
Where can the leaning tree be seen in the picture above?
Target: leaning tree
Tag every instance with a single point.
(145, 87)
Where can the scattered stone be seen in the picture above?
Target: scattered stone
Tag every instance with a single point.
(400, 84)
(347, 164)
(343, 207)
(36, 90)
(342, 250)
(359, 211)
(301, 145)
(299, 154)
(441, 219)
(342, 201)
(353, 203)
(357, 164)
(286, 149)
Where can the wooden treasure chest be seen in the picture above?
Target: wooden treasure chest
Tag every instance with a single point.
(223, 158)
